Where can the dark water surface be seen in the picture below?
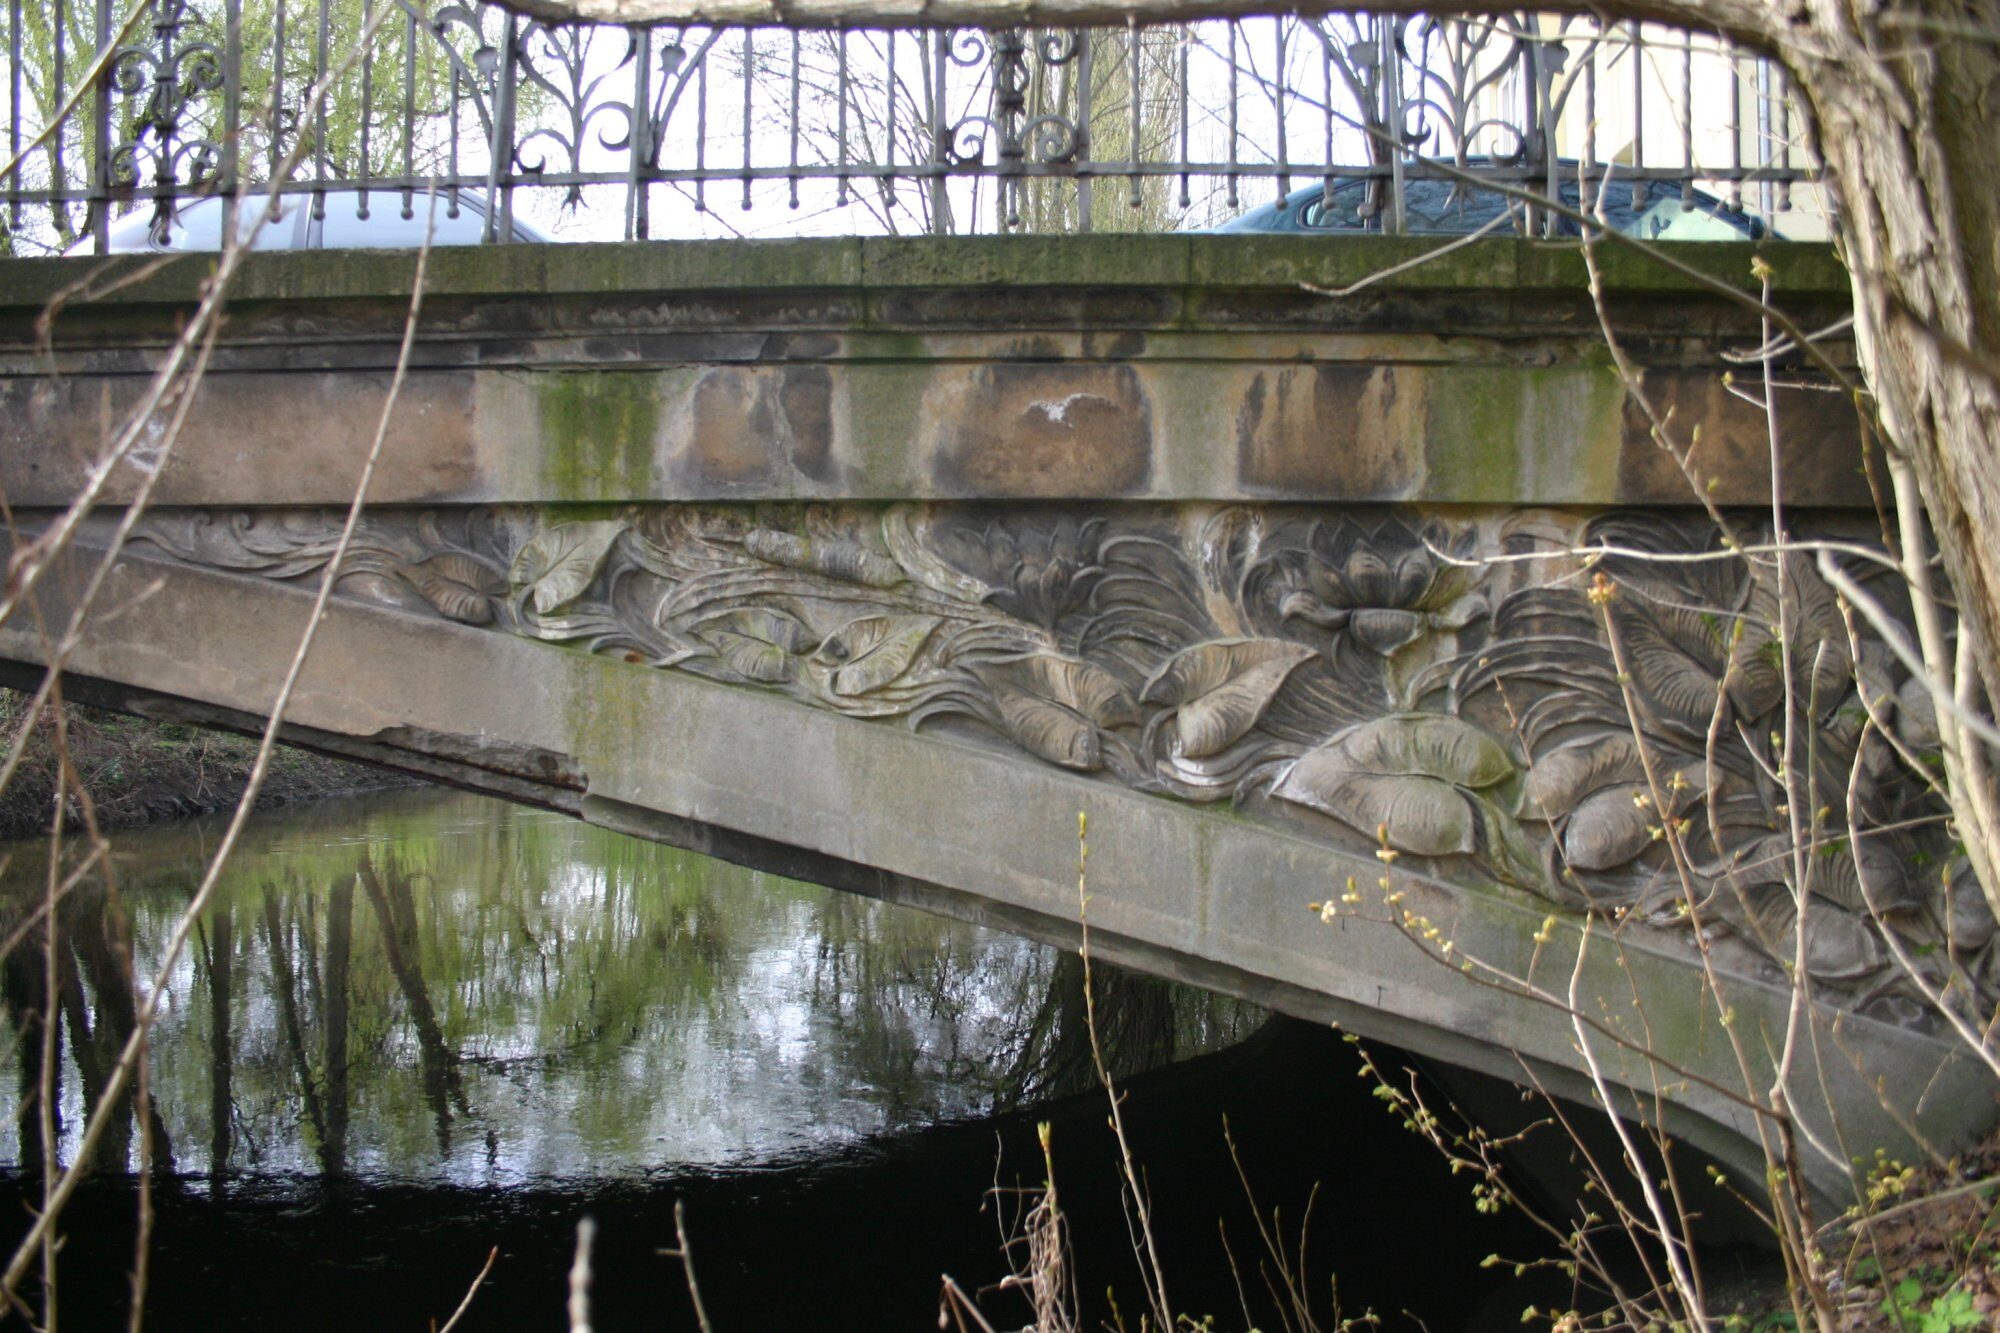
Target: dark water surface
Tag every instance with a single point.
(418, 1026)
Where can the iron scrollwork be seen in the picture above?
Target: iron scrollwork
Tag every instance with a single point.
(1046, 139)
(161, 81)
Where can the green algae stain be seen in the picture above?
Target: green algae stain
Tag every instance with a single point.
(1525, 434)
(598, 432)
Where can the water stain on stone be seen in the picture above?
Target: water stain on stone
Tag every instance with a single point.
(1819, 445)
(1047, 431)
(805, 401)
(753, 427)
(1324, 432)
(1033, 347)
(800, 346)
(1120, 347)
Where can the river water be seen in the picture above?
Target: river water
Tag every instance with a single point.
(413, 1028)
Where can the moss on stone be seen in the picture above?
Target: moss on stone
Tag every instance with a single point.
(888, 263)
(1494, 433)
(599, 429)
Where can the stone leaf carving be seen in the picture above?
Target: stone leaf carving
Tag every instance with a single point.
(760, 643)
(871, 653)
(849, 561)
(1059, 707)
(458, 585)
(1421, 783)
(1598, 793)
(1357, 674)
(1376, 585)
(558, 563)
(1841, 947)
(1215, 692)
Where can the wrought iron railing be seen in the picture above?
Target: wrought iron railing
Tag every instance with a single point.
(366, 105)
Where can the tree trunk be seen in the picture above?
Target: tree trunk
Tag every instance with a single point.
(1907, 111)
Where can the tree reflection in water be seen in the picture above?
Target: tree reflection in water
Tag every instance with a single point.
(524, 997)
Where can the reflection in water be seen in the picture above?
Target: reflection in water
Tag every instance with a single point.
(446, 988)
(416, 1026)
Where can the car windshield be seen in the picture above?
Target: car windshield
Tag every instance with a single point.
(344, 226)
(349, 220)
(1655, 210)
(198, 226)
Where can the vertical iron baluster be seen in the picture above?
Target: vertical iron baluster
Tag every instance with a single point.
(1765, 198)
(409, 114)
(934, 98)
(701, 134)
(1522, 78)
(749, 66)
(1229, 188)
(232, 104)
(1009, 114)
(889, 145)
(1590, 95)
(1326, 90)
(14, 99)
(1132, 94)
(1278, 103)
(1185, 39)
(275, 152)
(1780, 91)
(321, 68)
(793, 179)
(840, 83)
(100, 99)
(1550, 57)
(639, 134)
(1389, 69)
(367, 102)
(500, 171)
(58, 209)
(1086, 182)
(1368, 107)
(1638, 112)
(159, 106)
(1735, 129)
(451, 144)
(1687, 118)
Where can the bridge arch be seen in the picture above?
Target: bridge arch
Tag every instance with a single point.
(879, 577)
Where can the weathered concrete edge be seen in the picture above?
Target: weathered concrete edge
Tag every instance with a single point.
(798, 863)
(1184, 891)
(762, 854)
(1207, 262)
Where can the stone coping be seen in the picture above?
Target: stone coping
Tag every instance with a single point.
(1185, 261)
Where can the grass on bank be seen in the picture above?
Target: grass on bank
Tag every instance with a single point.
(138, 771)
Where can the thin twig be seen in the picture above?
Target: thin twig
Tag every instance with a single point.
(1157, 1289)
(579, 1276)
(1408, 264)
(121, 1073)
(470, 1292)
(954, 1301)
(1913, 1205)
(86, 83)
(1674, 1245)
(685, 1253)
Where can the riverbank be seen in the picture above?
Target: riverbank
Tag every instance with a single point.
(138, 771)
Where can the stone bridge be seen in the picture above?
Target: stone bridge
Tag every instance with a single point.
(877, 562)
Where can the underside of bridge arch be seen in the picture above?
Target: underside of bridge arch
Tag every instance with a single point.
(1396, 672)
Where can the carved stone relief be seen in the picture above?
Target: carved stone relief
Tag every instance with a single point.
(1373, 677)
